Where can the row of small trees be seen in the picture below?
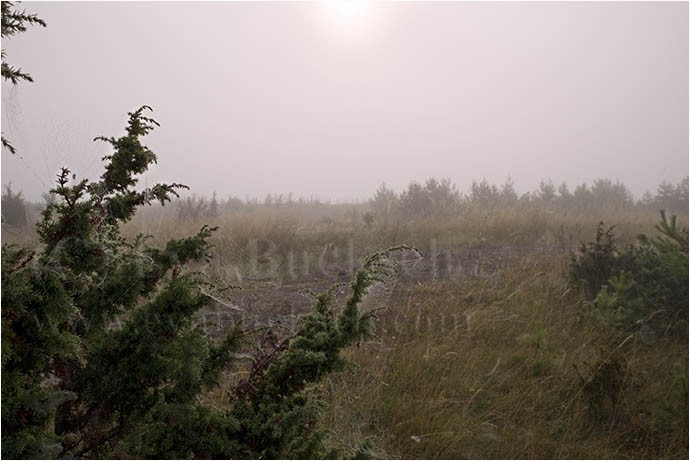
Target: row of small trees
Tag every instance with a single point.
(431, 199)
(441, 198)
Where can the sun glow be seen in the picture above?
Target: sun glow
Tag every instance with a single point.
(348, 11)
(348, 18)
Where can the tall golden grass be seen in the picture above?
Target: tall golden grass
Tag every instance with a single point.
(299, 227)
(487, 369)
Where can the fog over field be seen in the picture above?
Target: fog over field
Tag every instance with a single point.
(413, 230)
(329, 101)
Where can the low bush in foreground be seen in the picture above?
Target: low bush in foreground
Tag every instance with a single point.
(75, 385)
(642, 284)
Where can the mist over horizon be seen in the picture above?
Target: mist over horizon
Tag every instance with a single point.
(277, 98)
(404, 230)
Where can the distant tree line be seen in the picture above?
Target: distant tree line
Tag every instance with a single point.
(434, 198)
(441, 198)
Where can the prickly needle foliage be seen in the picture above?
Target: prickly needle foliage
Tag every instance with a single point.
(641, 283)
(274, 413)
(76, 386)
(35, 308)
(60, 361)
(14, 22)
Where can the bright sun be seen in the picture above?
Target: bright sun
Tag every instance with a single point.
(348, 11)
(348, 18)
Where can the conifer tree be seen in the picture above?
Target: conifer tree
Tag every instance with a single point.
(101, 356)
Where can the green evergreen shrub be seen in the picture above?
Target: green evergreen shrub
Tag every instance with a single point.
(643, 283)
(596, 262)
(100, 353)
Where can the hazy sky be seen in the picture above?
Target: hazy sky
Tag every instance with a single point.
(330, 101)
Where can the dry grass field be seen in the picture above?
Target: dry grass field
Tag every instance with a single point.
(483, 349)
